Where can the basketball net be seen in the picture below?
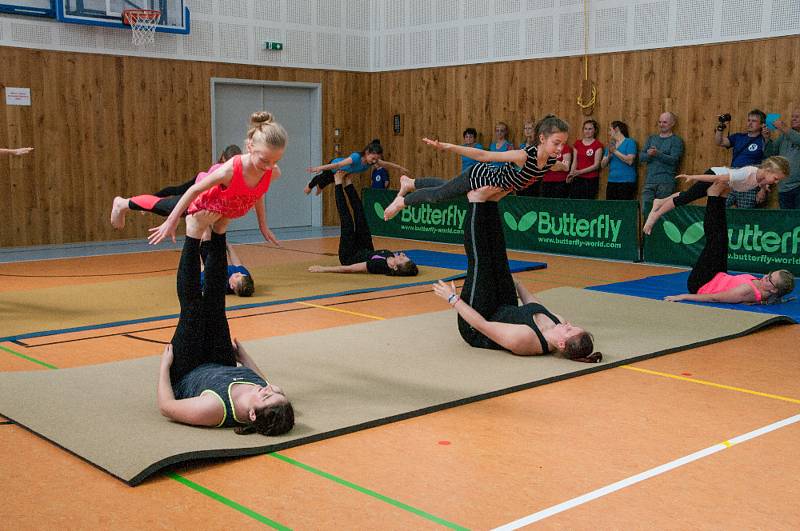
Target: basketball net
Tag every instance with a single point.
(143, 24)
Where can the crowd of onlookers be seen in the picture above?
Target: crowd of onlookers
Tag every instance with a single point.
(576, 175)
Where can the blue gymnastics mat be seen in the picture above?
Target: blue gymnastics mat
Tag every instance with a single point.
(659, 286)
(459, 261)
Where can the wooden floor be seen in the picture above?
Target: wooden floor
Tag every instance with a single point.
(570, 454)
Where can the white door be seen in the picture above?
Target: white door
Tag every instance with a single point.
(293, 107)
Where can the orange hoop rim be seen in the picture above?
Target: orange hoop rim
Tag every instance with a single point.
(129, 16)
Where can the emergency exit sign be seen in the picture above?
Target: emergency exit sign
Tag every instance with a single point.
(269, 45)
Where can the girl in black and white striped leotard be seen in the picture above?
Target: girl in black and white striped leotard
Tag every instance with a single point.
(535, 161)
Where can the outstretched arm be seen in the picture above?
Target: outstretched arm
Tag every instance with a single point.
(392, 165)
(724, 178)
(203, 410)
(332, 166)
(261, 215)
(517, 156)
(15, 151)
(360, 267)
(736, 295)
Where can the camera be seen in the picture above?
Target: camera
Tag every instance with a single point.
(723, 120)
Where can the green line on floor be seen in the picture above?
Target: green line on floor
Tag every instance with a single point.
(23, 356)
(368, 492)
(226, 501)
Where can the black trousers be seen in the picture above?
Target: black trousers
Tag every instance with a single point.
(355, 240)
(202, 335)
(558, 189)
(714, 257)
(584, 188)
(697, 191)
(620, 191)
(489, 284)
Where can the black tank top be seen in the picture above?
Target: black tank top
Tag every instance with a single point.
(524, 315)
(218, 379)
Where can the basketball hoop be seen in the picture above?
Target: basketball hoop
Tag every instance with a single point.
(143, 22)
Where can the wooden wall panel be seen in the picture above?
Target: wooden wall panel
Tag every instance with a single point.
(105, 125)
(697, 83)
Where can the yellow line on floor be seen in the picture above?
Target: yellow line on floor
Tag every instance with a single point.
(712, 384)
(343, 311)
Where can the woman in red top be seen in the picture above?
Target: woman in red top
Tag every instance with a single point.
(554, 182)
(234, 188)
(586, 155)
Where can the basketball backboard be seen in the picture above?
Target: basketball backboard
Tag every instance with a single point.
(107, 13)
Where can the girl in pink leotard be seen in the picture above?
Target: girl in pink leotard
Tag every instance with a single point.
(710, 281)
(234, 188)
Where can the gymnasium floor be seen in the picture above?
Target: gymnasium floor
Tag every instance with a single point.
(479, 466)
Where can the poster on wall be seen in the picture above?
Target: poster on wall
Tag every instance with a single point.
(18, 96)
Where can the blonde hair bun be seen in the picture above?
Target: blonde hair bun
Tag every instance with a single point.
(260, 117)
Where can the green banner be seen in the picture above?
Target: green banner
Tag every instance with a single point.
(605, 229)
(759, 240)
(602, 229)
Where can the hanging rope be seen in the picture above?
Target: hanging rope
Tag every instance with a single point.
(586, 101)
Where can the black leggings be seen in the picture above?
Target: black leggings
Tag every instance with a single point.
(435, 190)
(697, 191)
(162, 202)
(355, 240)
(202, 335)
(714, 257)
(489, 284)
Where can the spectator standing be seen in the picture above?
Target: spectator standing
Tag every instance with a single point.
(788, 145)
(747, 150)
(584, 177)
(662, 153)
(470, 140)
(620, 157)
(501, 142)
(380, 178)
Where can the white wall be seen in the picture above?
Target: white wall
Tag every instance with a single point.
(380, 35)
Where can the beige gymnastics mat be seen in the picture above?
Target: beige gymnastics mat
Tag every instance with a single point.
(344, 379)
(64, 307)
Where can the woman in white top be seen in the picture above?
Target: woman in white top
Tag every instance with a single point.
(768, 173)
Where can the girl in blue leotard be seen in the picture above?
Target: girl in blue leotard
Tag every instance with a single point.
(357, 162)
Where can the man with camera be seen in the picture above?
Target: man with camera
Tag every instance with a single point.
(662, 153)
(748, 150)
(788, 145)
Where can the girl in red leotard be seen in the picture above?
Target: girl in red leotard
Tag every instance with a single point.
(234, 188)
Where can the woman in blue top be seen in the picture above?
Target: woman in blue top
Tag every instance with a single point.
(501, 142)
(357, 162)
(470, 140)
(620, 156)
(206, 379)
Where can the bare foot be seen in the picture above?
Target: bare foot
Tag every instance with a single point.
(307, 190)
(118, 210)
(394, 208)
(406, 185)
(654, 215)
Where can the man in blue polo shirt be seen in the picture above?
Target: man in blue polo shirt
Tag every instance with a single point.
(747, 150)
